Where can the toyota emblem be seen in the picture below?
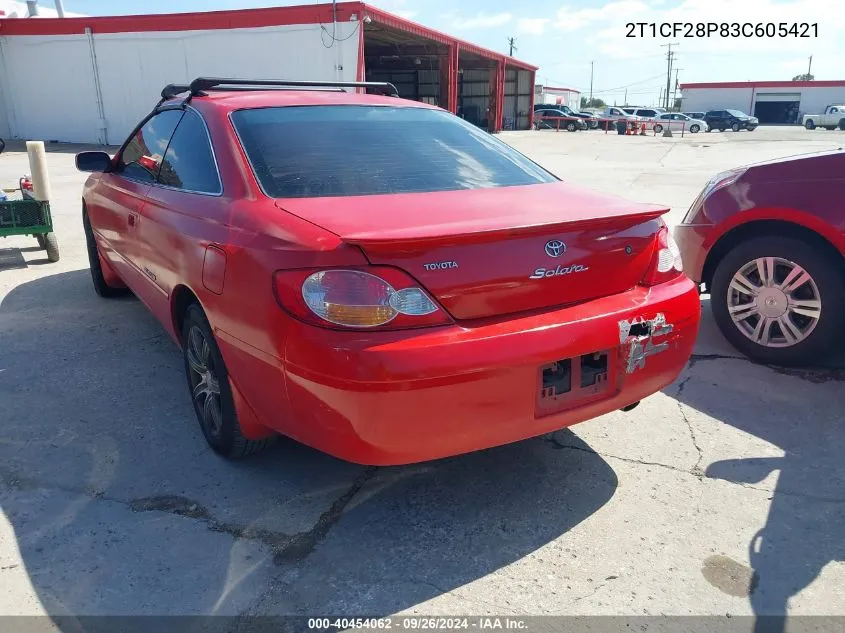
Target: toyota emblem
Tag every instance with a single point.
(555, 248)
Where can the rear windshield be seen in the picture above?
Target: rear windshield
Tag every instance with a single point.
(316, 151)
(736, 113)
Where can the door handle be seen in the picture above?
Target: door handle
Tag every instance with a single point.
(132, 219)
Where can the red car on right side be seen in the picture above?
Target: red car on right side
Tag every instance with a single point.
(767, 241)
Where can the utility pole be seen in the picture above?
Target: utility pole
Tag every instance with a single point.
(675, 90)
(591, 84)
(60, 10)
(669, 55)
(511, 42)
(660, 98)
(810, 67)
(626, 97)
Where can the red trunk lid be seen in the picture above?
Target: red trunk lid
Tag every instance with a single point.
(488, 252)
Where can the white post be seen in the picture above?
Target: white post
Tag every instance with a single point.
(38, 170)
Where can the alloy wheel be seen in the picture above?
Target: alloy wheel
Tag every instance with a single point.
(205, 384)
(774, 302)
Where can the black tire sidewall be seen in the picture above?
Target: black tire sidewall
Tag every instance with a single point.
(827, 334)
(695, 129)
(224, 444)
(735, 127)
(658, 128)
(100, 285)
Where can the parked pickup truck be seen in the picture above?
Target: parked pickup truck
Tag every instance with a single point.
(834, 115)
(612, 112)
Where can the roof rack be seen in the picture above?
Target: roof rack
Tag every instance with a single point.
(202, 84)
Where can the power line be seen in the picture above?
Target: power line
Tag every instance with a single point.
(636, 83)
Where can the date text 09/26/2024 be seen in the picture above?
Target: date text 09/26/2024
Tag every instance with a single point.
(722, 29)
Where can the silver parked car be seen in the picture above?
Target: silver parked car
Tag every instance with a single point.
(676, 122)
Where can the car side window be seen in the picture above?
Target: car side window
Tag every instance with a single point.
(834, 110)
(189, 162)
(141, 157)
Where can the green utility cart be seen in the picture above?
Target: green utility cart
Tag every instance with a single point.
(22, 214)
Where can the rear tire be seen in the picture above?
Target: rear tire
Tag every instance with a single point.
(211, 395)
(826, 283)
(842, 124)
(658, 128)
(101, 287)
(51, 245)
(42, 243)
(810, 124)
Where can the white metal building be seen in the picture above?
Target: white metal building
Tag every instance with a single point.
(92, 79)
(769, 101)
(558, 96)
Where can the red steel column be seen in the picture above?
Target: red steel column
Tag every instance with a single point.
(497, 95)
(533, 75)
(454, 54)
(361, 70)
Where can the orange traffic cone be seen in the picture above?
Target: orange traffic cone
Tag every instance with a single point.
(628, 130)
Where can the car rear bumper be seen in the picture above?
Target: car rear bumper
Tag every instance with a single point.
(401, 397)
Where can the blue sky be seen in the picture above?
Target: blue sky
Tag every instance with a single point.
(562, 39)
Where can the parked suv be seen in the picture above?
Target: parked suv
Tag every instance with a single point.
(730, 119)
(572, 123)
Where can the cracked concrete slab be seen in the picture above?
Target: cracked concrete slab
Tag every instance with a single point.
(729, 480)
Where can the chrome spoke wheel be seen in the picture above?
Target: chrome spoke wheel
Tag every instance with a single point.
(205, 385)
(774, 302)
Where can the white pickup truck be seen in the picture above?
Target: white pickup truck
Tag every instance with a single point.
(834, 115)
(612, 112)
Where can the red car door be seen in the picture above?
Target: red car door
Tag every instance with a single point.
(116, 202)
(185, 213)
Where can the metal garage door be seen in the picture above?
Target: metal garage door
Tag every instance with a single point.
(777, 96)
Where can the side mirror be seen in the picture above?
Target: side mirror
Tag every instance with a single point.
(92, 161)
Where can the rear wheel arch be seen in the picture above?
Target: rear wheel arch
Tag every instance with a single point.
(759, 228)
(181, 299)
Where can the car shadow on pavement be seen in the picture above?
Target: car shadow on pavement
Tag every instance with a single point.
(116, 505)
(797, 412)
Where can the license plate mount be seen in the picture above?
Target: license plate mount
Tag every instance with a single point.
(573, 382)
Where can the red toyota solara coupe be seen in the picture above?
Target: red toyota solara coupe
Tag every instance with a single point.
(377, 278)
(768, 242)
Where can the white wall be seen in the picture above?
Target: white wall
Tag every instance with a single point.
(703, 99)
(49, 80)
(813, 100)
(571, 99)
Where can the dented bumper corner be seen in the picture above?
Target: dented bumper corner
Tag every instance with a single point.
(641, 338)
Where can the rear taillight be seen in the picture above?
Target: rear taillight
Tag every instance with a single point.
(376, 297)
(26, 184)
(666, 263)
